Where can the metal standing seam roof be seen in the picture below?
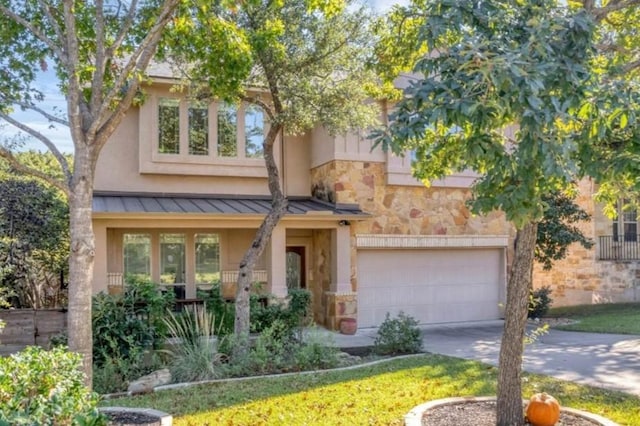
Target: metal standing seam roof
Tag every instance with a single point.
(205, 204)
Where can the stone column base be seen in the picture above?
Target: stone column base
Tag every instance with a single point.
(339, 306)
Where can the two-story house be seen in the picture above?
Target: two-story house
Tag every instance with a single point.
(181, 189)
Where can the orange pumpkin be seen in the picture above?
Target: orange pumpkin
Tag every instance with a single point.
(543, 410)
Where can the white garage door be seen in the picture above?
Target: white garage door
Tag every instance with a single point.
(433, 286)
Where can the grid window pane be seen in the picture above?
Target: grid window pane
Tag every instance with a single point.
(172, 258)
(227, 131)
(253, 131)
(198, 130)
(169, 126)
(137, 255)
(207, 249)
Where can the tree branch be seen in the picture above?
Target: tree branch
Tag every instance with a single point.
(46, 141)
(124, 29)
(97, 82)
(265, 107)
(631, 66)
(137, 63)
(599, 13)
(40, 111)
(11, 159)
(52, 21)
(35, 31)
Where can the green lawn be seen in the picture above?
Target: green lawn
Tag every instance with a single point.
(623, 318)
(373, 395)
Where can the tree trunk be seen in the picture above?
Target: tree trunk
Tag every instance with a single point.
(278, 209)
(81, 263)
(509, 406)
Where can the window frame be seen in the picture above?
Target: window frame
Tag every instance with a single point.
(152, 162)
(621, 220)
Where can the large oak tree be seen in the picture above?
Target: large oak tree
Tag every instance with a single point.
(519, 93)
(99, 51)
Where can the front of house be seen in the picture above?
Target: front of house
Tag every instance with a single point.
(181, 189)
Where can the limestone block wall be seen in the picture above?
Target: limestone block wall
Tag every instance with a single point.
(403, 210)
(581, 278)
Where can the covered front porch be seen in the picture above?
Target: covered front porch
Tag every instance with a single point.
(186, 251)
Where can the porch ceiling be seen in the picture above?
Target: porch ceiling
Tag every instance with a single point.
(217, 205)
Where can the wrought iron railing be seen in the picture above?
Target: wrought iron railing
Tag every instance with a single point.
(614, 247)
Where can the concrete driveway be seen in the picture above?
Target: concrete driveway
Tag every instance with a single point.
(605, 360)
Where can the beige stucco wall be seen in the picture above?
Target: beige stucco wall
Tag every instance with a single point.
(129, 162)
(581, 278)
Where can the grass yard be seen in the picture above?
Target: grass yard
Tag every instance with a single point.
(375, 395)
(622, 318)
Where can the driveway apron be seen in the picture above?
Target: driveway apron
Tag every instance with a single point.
(605, 360)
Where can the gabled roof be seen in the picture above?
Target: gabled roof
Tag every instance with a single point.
(122, 202)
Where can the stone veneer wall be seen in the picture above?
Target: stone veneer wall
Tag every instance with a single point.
(400, 210)
(581, 278)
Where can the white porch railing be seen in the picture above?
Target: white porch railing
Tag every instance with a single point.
(115, 281)
(259, 275)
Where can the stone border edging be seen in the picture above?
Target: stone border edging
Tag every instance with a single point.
(267, 376)
(165, 418)
(414, 417)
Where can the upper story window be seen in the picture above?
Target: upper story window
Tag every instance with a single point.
(188, 127)
(198, 129)
(625, 225)
(182, 136)
(169, 126)
(227, 131)
(253, 131)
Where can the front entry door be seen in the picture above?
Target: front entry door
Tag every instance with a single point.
(296, 268)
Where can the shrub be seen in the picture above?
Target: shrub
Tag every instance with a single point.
(398, 335)
(223, 311)
(293, 314)
(539, 302)
(125, 328)
(39, 387)
(316, 351)
(194, 356)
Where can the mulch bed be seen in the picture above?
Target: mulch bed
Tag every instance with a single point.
(482, 413)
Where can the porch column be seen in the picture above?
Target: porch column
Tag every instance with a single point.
(341, 260)
(100, 259)
(276, 262)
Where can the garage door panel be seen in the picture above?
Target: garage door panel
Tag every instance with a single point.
(431, 285)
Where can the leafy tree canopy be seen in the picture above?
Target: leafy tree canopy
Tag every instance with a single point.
(304, 61)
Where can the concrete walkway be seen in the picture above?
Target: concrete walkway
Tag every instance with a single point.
(605, 360)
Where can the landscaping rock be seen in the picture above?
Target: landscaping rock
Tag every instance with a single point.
(146, 383)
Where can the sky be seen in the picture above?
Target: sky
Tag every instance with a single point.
(54, 101)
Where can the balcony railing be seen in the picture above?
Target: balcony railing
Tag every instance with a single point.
(619, 248)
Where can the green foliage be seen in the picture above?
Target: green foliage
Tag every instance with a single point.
(194, 354)
(292, 314)
(317, 351)
(399, 335)
(277, 350)
(39, 387)
(222, 310)
(126, 327)
(311, 56)
(556, 231)
(499, 64)
(34, 240)
(539, 302)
